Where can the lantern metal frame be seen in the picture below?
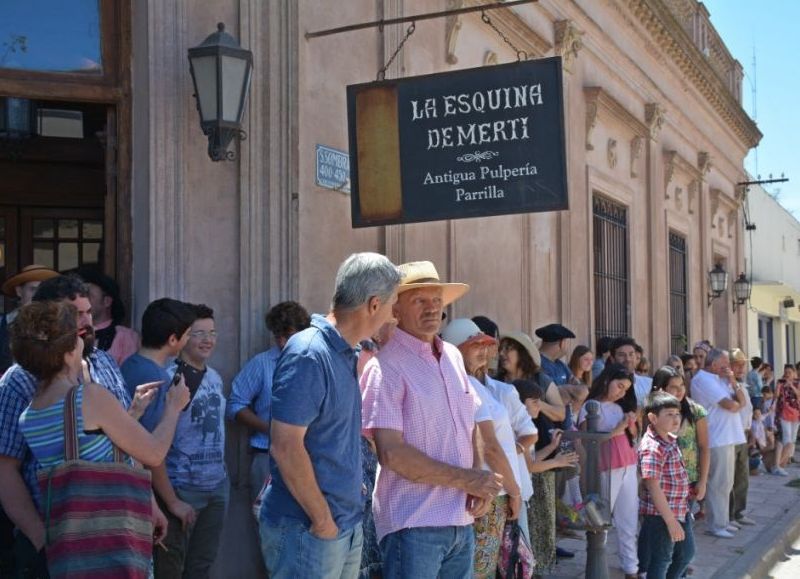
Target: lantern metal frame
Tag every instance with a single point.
(717, 282)
(742, 288)
(9, 134)
(221, 132)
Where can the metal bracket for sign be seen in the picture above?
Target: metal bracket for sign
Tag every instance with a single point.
(521, 54)
(417, 17)
(385, 67)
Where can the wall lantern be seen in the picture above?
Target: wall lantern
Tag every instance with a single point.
(221, 72)
(741, 291)
(17, 118)
(718, 282)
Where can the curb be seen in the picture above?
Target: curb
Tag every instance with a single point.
(755, 563)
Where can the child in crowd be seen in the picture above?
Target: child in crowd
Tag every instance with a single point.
(666, 542)
(768, 405)
(573, 395)
(761, 444)
(618, 416)
(693, 433)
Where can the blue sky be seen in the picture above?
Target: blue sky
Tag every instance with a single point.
(771, 28)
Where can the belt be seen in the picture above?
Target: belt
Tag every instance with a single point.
(260, 450)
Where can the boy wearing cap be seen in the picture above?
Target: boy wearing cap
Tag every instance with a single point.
(555, 343)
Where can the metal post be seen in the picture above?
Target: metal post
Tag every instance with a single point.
(596, 563)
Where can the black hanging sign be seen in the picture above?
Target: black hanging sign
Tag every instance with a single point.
(469, 143)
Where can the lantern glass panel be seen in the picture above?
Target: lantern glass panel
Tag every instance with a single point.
(233, 83)
(718, 279)
(205, 78)
(742, 289)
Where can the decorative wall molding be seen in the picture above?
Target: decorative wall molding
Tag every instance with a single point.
(568, 42)
(599, 102)
(611, 153)
(452, 27)
(694, 186)
(669, 170)
(591, 122)
(678, 198)
(490, 58)
(714, 198)
(517, 30)
(703, 163)
(654, 119)
(733, 218)
(668, 34)
(637, 144)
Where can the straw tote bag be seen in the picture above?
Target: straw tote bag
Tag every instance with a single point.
(98, 515)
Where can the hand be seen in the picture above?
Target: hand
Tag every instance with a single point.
(477, 506)
(567, 459)
(483, 484)
(39, 539)
(514, 507)
(178, 395)
(727, 374)
(184, 512)
(160, 525)
(326, 529)
(144, 395)
(675, 530)
(700, 491)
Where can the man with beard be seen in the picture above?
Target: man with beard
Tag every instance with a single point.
(19, 490)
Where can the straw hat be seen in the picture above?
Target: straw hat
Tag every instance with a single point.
(28, 273)
(419, 274)
(526, 342)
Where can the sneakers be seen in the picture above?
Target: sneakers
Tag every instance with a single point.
(743, 520)
(564, 554)
(778, 471)
(732, 527)
(720, 533)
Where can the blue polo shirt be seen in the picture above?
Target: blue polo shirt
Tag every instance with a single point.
(557, 370)
(315, 386)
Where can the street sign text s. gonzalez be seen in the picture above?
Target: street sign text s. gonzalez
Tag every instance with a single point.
(469, 143)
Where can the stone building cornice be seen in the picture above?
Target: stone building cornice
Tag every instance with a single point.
(599, 101)
(660, 22)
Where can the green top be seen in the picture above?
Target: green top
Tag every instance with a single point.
(687, 440)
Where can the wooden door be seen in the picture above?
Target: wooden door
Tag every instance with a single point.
(8, 250)
(61, 238)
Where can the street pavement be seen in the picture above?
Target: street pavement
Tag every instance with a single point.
(774, 506)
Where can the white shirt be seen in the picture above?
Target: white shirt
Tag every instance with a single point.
(502, 427)
(746, 411)
(522, 424)
(724, 427)
(642, 385)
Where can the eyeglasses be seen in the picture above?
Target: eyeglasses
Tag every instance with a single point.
(202, 334)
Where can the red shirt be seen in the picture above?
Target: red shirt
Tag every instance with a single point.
(661, 459)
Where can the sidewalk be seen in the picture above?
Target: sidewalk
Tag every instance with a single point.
(774, 506)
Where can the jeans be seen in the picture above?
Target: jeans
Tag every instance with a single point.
(259, 472)
(428, 553)
(659, 557)
(291, 552)
(191, 553)
(756, 401)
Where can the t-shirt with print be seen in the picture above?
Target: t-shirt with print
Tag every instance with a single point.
(724, 427)
(687, 440)
(196, 459)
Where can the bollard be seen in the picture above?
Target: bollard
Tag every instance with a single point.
(596, 563)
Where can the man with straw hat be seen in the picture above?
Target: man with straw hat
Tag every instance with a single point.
(421, 410)
(22, 286)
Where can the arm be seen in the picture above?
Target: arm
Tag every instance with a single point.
(552, 405)
(496, 458)
(734, 405)
(703, 457)
(524, 443)
(17, 501)
(247, 385)
(175, 505)
(102, 410)
(660, 501)
(416, 466)
(478, 445)
(251, 420)
(289, 452)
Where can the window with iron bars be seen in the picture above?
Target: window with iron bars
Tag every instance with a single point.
(678, 294)
(611, 276)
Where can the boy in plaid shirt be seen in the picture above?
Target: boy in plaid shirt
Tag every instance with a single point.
(666, 543)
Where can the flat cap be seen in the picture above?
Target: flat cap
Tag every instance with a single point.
(554, 333)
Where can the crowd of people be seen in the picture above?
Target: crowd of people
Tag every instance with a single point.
(386, 441)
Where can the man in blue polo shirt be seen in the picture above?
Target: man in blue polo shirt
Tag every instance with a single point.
(311, 513)
(555, 345)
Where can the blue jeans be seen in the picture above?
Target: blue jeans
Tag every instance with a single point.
(290, 551)
(429, 552)
(756, 401)
(659, 557)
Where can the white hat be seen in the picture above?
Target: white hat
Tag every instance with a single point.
(463, 330)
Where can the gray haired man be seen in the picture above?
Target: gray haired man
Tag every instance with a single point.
(310, 518)
(715, 388)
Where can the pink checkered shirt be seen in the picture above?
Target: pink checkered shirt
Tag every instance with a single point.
(433, 404)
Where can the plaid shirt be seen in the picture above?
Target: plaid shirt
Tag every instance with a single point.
(662, 460)
(17, 388)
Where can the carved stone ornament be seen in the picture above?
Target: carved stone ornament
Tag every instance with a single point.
(693, 186)
(669, 170)
(568, 42)
(636, 152)
(714, 207)
(678, 198)
(591, 123)
(611, 153)
(703, 163)
(490, 58)
(653, 118)
(452, 27)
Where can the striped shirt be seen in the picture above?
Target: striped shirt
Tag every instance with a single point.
(43, 430)
(17, 388)
(252, 388)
